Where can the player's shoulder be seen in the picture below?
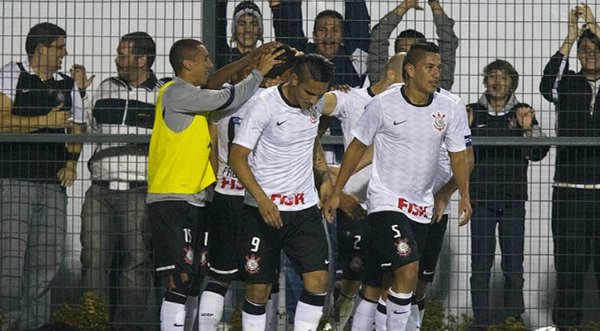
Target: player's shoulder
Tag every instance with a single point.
(446, 96)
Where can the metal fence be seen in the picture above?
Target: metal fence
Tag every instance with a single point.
(526, 34)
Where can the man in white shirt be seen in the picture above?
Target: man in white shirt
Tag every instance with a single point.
(272, 156)
(406, 123)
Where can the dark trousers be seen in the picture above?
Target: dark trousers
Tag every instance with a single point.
(576, 234)
(510, 220)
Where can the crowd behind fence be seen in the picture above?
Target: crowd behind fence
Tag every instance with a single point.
(527, 35)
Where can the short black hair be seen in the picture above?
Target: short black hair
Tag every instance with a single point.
(314, 66)
(289, 60)
(184, 49)
(587, 34)
(143, 45)
(42, 34)
(410, 33)
(417, 51)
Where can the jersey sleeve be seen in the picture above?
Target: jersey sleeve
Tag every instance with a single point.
(9, 76)
(255, 120)
(369, 123)
(341, 107)
(458, 135)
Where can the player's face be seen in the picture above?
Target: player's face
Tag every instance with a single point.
(308, 92)
(247, 31)
(200, 66)
(403, 45)
(498, 84)
(54, 53)
(427, 72)
(589, 56)
(126, 61)
(328, 34)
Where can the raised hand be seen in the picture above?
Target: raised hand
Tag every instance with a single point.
(79, 75)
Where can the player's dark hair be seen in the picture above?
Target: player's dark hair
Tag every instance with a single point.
(42, 34)
(314, 67)
(417, 52)
(143, 45)
(184, 49)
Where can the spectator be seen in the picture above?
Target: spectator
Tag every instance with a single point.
(35, 98)
(246, 31)
(342, 41)
(576, 194)
(177, 178)
(499, 191)
(380, 35)
(113, 215)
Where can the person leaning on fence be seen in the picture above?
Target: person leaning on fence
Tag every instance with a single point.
(576, 193)
(499, 191)
(35, 98)
(177, 177)
(113, 215)
(380, 36)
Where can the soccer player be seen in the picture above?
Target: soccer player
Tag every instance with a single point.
(348, 107)
(228, 202)
(179, 169)
(272, 155)
(409, 123)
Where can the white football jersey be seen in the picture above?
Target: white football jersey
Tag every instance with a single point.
(227, 124)
(407, 139)
(349, 108)
(281, 138)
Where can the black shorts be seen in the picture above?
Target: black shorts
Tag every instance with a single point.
(431, 252)
(226, 216)
(394, 240)
(352, 246)
(179, 238)
(302, 237)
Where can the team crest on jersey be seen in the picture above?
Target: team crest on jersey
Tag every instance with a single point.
(313, 113)
(203, 258)
(252, 264)
(188, 257)
(357, 263)
(402, 247)
(439, 121)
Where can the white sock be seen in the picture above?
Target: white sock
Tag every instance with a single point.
(191, 309)
(172, 312)
(364, 315)
(398, 310)
(414, 320)
(345, 306)
(309, 311)
(211, 309)
(254, 317)
(381, 316)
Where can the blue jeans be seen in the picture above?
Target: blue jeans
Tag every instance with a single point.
(510, 219)
(32, 237)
